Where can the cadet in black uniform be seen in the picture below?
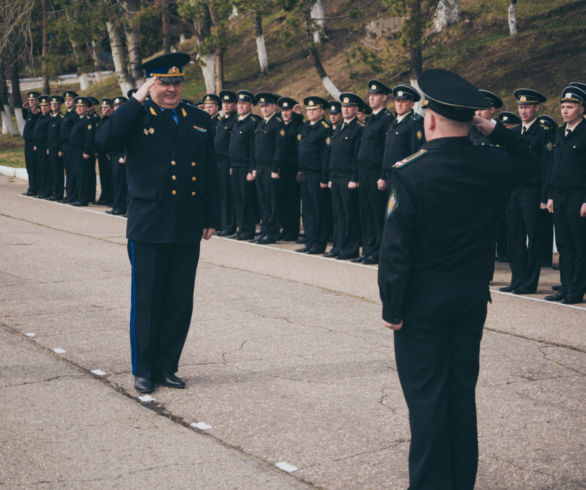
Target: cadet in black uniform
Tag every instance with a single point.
(241, 153)
(40, 133)
(509, 119)
(313, 140)
(335, 113)
(54, 151)
(211, 104)
(222, 144)
(567, 196)
(69, 120)
(524, 214)
(370, 159)
(81, 147)
(31, 116)
(173, 203)
(442, 217)
(405, 133)
(266, 166)
(96, 120)
(118, 161)
(341, 175)
(104, 164)
(289, 196)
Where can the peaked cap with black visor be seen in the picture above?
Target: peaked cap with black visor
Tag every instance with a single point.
(168, 68)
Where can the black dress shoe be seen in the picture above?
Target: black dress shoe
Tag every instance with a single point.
(244, 236)
(171, 381)
(502, 258)
(572, 300)
(555, 267)
(358, 259)
(143, 385)
(332, 253)
(54, 198)
(79, 203)
(557, 287)
(507, 289)
(300, 240)
(118, 212)
(265, 240)
(315, 251)
(370, 260)
(555, 297)
(233, 235)
(346, 256)
(221, 233)
(302, 250)
(524, 291)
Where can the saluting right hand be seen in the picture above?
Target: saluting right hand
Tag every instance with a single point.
(142, 93)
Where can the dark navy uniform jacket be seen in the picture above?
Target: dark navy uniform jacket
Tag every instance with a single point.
(540, 138)
(222, 134)
(372, 146)
(343, 152)
(403, 139)
(29, 125)
(53, 139)
(173, 190)
(69, 119)
(443, 214)
(286, 153)
(242, 142)
(41, 130)
(313, 146)
(81, 137)
(266, 138)
(568, 170)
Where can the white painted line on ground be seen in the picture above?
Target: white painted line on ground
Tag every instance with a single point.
(201, 426)
(30, 334)
(146, 398)
(554, 303)
(98, 372)
(289, 468)
(59, 350)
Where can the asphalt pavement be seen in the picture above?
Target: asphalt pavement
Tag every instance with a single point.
(291, 381)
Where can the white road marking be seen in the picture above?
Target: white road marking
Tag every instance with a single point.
(201, 426)
(146, 398)
(59, 350)
(289, 468)
(30, 334)
(98, 372)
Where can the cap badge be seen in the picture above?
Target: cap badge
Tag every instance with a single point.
(346, 100)
(523, 99)
(373, 87)
(285, 104)
(311, 102)
(226, 97)
(400, 93)
(262, 100)
(173, 71)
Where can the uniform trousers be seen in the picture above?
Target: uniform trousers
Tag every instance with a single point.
(266, 188)
(70, 177)
(57, 177)
(163, 279)
(228, 224)
(372, 212)
(29, 161)
(83, 175)
(346, 217)
(119, 185)
(570, 240)
(105, 169)
(244, 201)
(546, 227)
(289, 200)
(437, 355)
(525, 237)
(314, 211)
(42, 171)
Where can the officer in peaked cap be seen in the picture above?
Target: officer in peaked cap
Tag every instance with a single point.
(378, 87)
(495, 103)
(40, 133)
(172, 204)
(31, 114)
(118, 101)
(211, 104)
(546, 120)
(364, 111)
(104, 164)
(54, 151)
(443, 212)
(509, 119)
(68, 121)
(567, 196)
(335, 113)
(96, 120)
(81, 144)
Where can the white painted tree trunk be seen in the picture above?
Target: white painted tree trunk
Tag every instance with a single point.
(19, 119)
(263, 58)
(208, 70)
(417, 107)
(119, 57)
(7, 126)
(513, 18)
(84, 81)
(318, 18)
(447, 13)
(331, 88)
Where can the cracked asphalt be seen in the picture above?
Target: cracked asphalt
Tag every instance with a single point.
(286, 360)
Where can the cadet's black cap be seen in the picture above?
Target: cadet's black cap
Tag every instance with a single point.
(406, 92)
(265, 98)
(56, 99)
(32, 95)
(377, 87)
(93, 100)
(507, 117)
(313, 102)
(348, 98)
(131, 92)
(494, 99)
(571, 93)
(228, 96)
(548, 121)
(44, 99)
(335, 107)
(79, 100)
(168, 68)
(528, 96)
(211, 99)
(69, 93)
(106, 102)
(580, 85)
(287, 103)
(119, 100)
(365, 109)
(245, 96)
(450, 95)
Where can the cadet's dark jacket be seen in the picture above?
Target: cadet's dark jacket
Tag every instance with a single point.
(286, 153)
(69, 119)
(81, 136)
(569, 160)
(372, 146)
(53, 141)
(313, 146)
(41, 130)
(29, 125)
(222, 137)
(241, 149)
(443, 215)
(343, 152)
(266, 137)
(540, 138)
(173, 190)
(403, 138)
(478, 138)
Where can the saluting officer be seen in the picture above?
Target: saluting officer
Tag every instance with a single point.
(567, 196)
(32, 113)
(173, 203)
(118, 161)
(81, 146)
(370, 159)
(40, 133)
(54, 151)
(69, 120)
(222, 144)
(437, 249)
(405, 133)
(313, 138)
(104, 164)
(341, 175)
(495, 103)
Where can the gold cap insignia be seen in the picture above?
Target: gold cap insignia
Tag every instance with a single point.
(262, 100)
(346, 100)
(311, 102)
(400, 93)
(174, 71)
(373, 87)
(226, 97)
(285, 104)
(522, 98)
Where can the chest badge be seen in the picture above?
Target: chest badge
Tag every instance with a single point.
(201, 130)
(152, 130)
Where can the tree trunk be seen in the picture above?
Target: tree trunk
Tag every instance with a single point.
(261, 49)
(164, 5)
(325, 80)
(84, 81)
(132, 31)
(96, 57)
(513, 18)
(318, 22)
(208, 70)
(415, 39)
(44, 47)
(7, 126)
(219, 70)
(447, 13)
(119, 58)
(16, 99)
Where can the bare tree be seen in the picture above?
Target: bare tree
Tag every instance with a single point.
(119, 56)
(318, 22)
(132, 33)
(513, 18)
(446, 13)
(164, 7)
(261, 47)
(7, 126)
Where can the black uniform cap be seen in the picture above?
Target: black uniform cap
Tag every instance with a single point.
(365, 109)
(528, 96)
(168, 68)
(245, 96)
(211, 99)
(507, 117)
(265, 98)
(548, 121)
(494, 99)
(228, 96)
(450, 95)
(406, 92)
(32, 95)
(314, 101)
(56, 99)
(69, 93)
(287, 103)
(378, 87)
(348, 98)
(93, 100)
(571, 93)
(131, 92)
(79, 100)
(580, 85)
(106, 102)
(44, 99)
(119, 100)
(335, 107)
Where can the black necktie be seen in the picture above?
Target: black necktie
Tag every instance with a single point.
(568, 133)
(524, 130)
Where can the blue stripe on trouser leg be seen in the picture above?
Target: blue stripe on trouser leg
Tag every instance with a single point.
(132, 311)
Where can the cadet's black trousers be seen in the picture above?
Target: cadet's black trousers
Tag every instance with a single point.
(314, 211)
(437, 356)
(105, 169)
(163, 279)
(29, 160)
(57, 176)
(244, 201)
(70, 177)
(289, 198)
(346, 217)
(226, 202)
(83, 175)
(266, 189)
(372, 212)
(119, 185)
(42, 171)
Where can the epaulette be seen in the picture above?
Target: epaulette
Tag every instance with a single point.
(278, 119)
(359, 122)
(325, 124)
(416, 117)
(254, 117)
(543, 126)
(188, 103)
(410, 159)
